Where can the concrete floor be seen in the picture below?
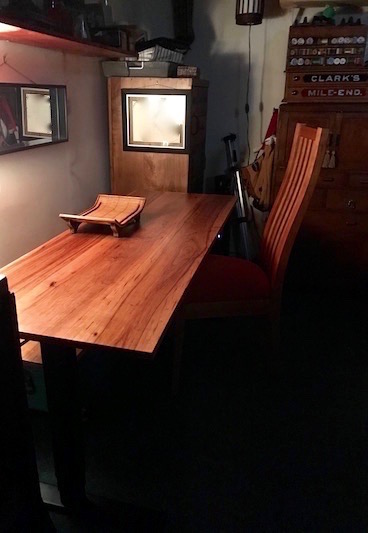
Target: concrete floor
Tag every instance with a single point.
(246, 446)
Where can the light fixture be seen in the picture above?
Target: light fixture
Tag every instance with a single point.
(249, 12)
(6, 28)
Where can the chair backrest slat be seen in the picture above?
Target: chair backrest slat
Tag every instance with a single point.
(309, 146)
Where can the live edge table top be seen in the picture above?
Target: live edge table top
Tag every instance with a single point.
(91, 288)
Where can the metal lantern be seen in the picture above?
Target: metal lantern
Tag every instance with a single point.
(249, 12)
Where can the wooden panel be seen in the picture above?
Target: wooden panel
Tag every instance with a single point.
(197, 160)
(334, 234)
(22, 33)
(93, 289)
(342, 237)
(359, 180)
(330, 178)
(196, 170)
(153, 170)
(183, 84)
(146, 170)
(149, 171)
(353, 141)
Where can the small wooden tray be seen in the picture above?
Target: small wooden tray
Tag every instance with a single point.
(111, 210)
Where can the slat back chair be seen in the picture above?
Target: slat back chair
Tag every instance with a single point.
(291, 203)
(230, 286)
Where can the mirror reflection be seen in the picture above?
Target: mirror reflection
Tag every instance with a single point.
(156, 120)
(31, 115)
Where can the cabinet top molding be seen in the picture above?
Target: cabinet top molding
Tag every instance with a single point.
(288, 4)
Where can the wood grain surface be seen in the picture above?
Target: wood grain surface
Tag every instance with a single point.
(92, 289)
(109, 209)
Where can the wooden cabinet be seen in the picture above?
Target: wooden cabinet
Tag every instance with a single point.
(334, 235)
(175, 170)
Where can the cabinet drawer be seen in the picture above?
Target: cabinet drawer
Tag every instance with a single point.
(330, 178)
(325, 92)
(338, 226)
(342, 238)
(359, 180)
(347, 200)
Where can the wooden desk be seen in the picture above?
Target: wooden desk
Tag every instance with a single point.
(91, 289)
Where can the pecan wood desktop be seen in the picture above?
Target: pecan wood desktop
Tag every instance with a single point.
(91, 289)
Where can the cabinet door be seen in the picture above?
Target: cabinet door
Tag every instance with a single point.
(331, 251)
(352, 148)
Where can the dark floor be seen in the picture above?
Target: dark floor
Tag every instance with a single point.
(247, 445)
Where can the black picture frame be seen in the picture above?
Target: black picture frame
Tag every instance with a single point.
(156, 149)
(59, 120)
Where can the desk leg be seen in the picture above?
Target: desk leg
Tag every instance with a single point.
(61, 380)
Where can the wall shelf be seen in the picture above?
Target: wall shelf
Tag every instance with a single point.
(23, 33)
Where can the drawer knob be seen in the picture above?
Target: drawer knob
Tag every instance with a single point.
(296, 78)
(294, 93)
(351, 204)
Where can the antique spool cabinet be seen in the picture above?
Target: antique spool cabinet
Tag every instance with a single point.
(157, 133)
(327, 85)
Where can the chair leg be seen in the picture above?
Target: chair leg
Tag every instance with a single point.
(179, 327)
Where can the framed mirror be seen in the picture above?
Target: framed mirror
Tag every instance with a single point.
(31, 116)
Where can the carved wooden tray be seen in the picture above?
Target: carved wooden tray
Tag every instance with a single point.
(111, 210)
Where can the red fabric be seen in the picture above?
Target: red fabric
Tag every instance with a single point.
(226, 279)
(272, 127)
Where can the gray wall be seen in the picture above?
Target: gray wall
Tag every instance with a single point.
(154, 16)
(221, 51)
(36, 185)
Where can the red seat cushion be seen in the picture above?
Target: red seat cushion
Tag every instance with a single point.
(225, 279)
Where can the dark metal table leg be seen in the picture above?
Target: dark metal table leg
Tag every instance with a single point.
(61, 380)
